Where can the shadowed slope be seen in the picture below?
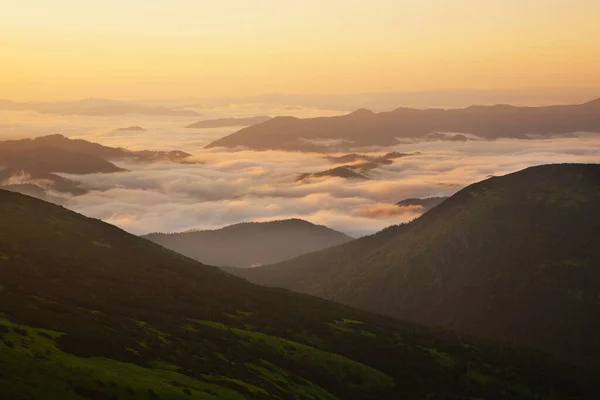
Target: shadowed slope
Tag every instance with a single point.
(512, 257)
(89, 311)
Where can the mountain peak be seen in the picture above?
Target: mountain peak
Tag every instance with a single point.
(362, 112)
(52, 138)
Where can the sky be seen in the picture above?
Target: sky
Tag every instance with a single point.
(136, 49)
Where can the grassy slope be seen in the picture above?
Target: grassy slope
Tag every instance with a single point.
(513, 257)
(89, 311)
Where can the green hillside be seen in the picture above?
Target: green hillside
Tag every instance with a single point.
(514, 257)
(91, 312)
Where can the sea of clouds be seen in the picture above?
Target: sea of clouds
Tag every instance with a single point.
(231, 186)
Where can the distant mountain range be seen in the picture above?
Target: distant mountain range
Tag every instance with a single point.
(88, 311)
(366, 128)
(36, 161)
(513, 257)
(94, 107)
(228, 122)
(441, 98)
(255, 243)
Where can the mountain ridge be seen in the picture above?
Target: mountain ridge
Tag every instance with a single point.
(256, 243)
(364, 128)
(506, 257)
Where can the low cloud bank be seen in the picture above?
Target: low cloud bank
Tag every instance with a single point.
(260, 186)
(241, 185)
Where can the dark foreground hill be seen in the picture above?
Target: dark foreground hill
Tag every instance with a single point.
(514, 257)
(88, 311)
(366, 128)
(251, 244)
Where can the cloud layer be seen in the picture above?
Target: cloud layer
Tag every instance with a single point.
(238, 186)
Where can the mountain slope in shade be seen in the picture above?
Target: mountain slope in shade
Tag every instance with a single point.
(251, 244)
(427, 203)
(228, 122)
(512, 257)
(88, 311)
(365, 128)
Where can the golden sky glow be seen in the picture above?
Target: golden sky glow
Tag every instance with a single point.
(133, 49)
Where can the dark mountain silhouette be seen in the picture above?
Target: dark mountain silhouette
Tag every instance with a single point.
(94, 107)
(513, 257)
(44, 181)
(361, 164)
(157, 155)
(354, 157)
(88, 311)
(227, 122)
(108, 153)
(46, 155)
(31, 162)
(34, 191)
(76, 145)
(337, 172)
(427, 203)
(365, 128)
(432, 137)
(36, 161)
(131, 128)
(255, 243)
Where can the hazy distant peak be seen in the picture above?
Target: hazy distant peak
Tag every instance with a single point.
(53, 137)
(229, 122)
(595, 102)
(131, 128)
(282, 118)
(362, 112)
(255, 243)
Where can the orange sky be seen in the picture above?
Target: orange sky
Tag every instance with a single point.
(134, 49)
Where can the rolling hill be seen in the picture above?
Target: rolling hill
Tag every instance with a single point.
(513, 257)
(255, 243)
(366, 128)
(88, 311)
